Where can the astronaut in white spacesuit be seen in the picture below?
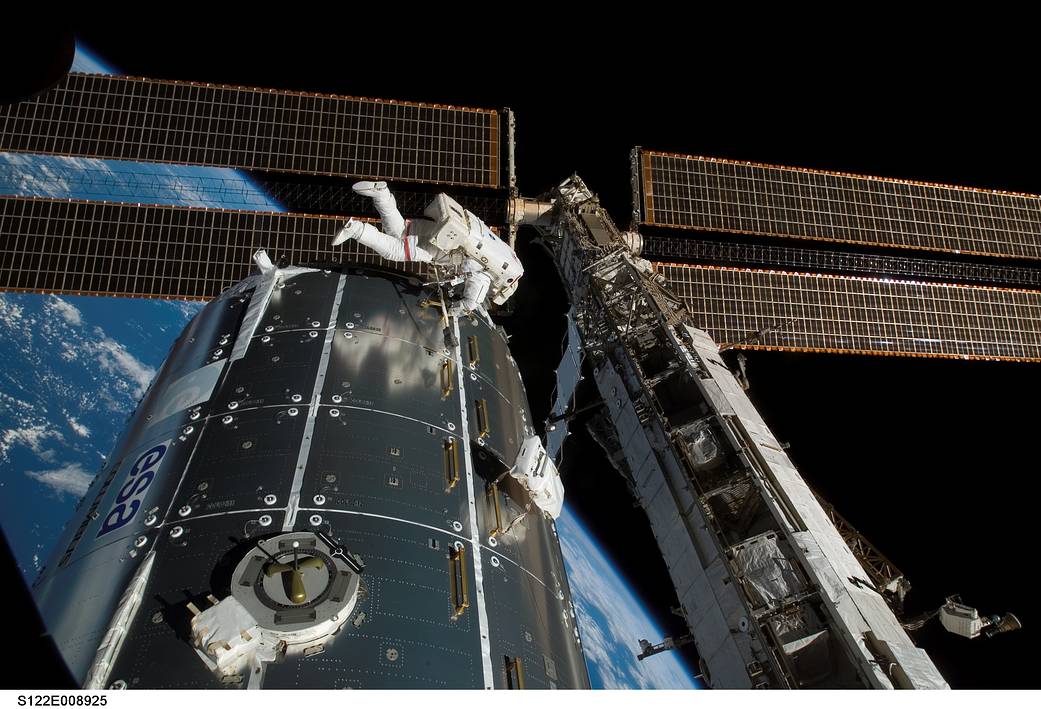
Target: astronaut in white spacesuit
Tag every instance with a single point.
(450, 237)
(456, 240)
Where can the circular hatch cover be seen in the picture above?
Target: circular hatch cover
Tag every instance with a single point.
(297, 586)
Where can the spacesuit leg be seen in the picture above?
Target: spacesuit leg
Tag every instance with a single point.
(392, 248)
(384, 202)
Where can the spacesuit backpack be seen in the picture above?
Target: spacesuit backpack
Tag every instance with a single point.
(455, 228)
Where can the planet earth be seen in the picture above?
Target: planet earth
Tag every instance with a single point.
(75, 368)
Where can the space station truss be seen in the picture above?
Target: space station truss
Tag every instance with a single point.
(712, 194)
(151, 120)
(811, 312)
(771, 593)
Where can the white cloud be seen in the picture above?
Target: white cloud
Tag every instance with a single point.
(33, 437)
(10, 313)
(71, 479)
(32, 177)
(67, 310)
(15, 402)
(79, 427)
(114, 359)
(188, 309)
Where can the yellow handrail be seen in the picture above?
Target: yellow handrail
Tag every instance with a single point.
(447, 373)
(514, 673)
(482, 417)
(451, 462)
(458, 586)
(493, 490)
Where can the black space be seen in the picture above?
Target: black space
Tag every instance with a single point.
(933, 460)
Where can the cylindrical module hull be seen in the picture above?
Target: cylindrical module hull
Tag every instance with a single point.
(327, 402)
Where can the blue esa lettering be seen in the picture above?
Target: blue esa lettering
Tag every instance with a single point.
(131, 496)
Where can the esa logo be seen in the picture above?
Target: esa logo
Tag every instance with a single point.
(132, 494)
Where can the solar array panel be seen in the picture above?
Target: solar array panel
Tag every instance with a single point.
(776, 310)
(710, 194)
(127, 181)
(740, 253)
(148, 120)
(108, 248)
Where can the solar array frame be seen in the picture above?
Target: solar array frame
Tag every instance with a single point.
(712, 194)
(808, 312)
(151, 120)
(82, 247)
